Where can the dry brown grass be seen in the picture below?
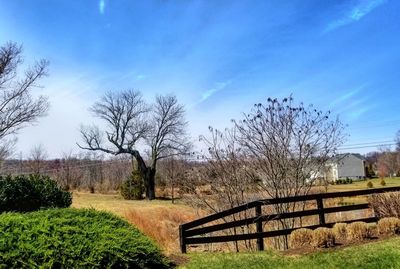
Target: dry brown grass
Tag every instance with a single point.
(385, 204)
(300, 238)
(340, 231)
(161, 224)
(389, 226)
(357, 231)
(159, 219)
(323, 238)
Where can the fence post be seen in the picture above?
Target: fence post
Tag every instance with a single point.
(320, 205)
(260, 240)
(182, 239)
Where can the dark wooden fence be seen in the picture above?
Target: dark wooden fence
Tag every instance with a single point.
(194, 232)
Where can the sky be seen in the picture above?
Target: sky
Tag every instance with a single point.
(217, 57)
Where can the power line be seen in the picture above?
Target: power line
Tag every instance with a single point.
(370, 146)
(369, 143)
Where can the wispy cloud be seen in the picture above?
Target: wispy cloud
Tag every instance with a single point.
(102, 6)
(218, 87)
(356, 13)
(140, 77)
(346, 97)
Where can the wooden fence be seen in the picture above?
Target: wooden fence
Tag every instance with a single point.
(194, 232)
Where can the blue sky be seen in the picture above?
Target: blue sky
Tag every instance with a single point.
(218, 57)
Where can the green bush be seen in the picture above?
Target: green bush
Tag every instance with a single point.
(382, 182)
(74, 238)
(30, 193)
(132, 189)
(344, 181)
(370, 184)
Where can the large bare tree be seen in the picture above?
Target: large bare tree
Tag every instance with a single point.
(130, 122)
(17, 105)
(288, 146)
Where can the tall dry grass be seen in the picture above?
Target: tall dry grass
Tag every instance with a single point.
(161, 224)
(385, 204)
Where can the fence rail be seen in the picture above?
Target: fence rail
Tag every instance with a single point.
(194, 232)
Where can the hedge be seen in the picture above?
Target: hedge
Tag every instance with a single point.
(74, 238)
(30, 193)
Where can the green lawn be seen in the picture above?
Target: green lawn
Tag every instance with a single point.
(382, 254)
(359, 185)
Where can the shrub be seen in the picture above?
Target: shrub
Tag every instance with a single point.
(358, 231)
(323, 237)
(389, 226)
(385, 204)
(30, 193)
(301, 237)
(340, 230)
(74, 238)
(132, 188)
(370, 184)
(382, 182)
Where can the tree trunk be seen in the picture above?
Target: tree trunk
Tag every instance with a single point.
(148, 175)
(150, 184)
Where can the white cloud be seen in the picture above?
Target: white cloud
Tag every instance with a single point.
(218, 87)
(356, 13)
(346, 97)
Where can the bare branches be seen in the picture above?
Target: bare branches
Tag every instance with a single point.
(388, 162)
(168, 137)
(288, 144)
(17, 106)
(130, 121)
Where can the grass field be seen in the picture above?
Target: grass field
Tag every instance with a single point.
(158, 219)
(116, 204)
(383, 254)
(359, 185)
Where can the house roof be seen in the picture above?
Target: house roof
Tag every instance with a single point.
(344, 155)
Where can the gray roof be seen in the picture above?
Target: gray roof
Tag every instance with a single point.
(343, 155)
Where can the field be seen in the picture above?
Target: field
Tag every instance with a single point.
(382, 254)
(359, 185)
(159, 219)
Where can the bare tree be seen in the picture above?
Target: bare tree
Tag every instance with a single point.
(174, 170)
(287, 146)
(17, 106)
(388, 162)
(6, 149)
(37, 159)
(397, 139)
(222, 181)
(68, 172)
(130, 121)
